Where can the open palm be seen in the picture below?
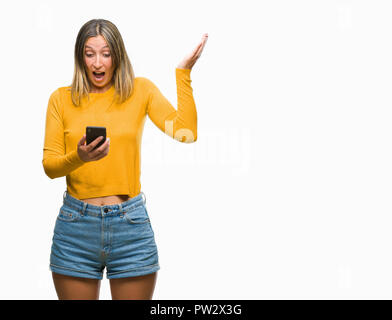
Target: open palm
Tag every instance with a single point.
(191, 58)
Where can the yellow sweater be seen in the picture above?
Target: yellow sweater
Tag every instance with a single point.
(119, 171)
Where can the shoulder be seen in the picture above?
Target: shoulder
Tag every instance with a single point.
(143, 82)
(57, 98)
(60, 92)
(64, 90)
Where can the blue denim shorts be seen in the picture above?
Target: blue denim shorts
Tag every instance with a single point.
(87, 238)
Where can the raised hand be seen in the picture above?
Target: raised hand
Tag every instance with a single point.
(192, 57)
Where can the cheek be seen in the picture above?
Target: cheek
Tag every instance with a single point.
(110, 63)
(110, 69)
(87, 63)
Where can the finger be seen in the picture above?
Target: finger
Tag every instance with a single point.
(202, 42)
(199, 52)
(202, 47)
(82, 141)
(197, 49)
(100, 156)
(92, 144)
(194, 51)
(97, 157)
(204, 39)
(102, 148)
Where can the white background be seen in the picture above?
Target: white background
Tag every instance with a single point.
(285, 194)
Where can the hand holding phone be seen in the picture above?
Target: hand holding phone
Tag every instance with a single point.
(96, 147)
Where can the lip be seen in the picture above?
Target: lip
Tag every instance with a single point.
(99, 80)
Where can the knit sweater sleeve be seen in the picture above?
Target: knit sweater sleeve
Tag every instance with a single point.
(55, 162)
(180, 124)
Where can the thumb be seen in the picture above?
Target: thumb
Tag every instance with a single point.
(81, 141)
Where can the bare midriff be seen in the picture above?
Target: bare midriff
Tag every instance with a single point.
(108, 200)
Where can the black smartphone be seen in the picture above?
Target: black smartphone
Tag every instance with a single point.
(93, 133)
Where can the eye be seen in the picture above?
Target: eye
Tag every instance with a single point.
(105, 55)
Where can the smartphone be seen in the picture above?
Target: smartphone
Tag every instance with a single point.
(93, 133)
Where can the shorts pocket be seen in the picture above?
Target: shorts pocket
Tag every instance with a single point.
(68, 214)
(137, 215)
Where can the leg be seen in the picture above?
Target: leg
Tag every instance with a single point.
(75, 288)
(133, 288)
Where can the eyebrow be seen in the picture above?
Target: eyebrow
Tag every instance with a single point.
(92, 47)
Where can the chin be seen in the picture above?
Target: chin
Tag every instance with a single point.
(98, 84)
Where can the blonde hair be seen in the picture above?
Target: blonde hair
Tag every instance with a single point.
(123, 74)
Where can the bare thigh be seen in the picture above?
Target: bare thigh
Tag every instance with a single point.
(75, 288)
(133, 288)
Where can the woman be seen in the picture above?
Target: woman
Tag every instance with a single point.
(103, 221)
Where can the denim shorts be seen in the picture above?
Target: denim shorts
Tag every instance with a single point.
(87, 238)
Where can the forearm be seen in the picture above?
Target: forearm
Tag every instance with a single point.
(184, 123)
(59, 166)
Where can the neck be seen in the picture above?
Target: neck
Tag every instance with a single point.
(95, 89)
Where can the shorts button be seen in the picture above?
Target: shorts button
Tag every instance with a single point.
(106, 210)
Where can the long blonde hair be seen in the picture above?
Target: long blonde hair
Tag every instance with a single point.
(123, 74)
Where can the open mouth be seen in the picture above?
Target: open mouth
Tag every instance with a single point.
(98, 75)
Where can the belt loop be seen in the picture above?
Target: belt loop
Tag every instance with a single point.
(120, 208)
(64, 194)
(144, 197)
(84, 208)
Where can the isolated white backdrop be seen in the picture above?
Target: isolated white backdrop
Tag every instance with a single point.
(285, 194)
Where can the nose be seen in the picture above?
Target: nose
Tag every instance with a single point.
(97, 63)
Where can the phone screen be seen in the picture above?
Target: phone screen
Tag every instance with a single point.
(93, 133)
